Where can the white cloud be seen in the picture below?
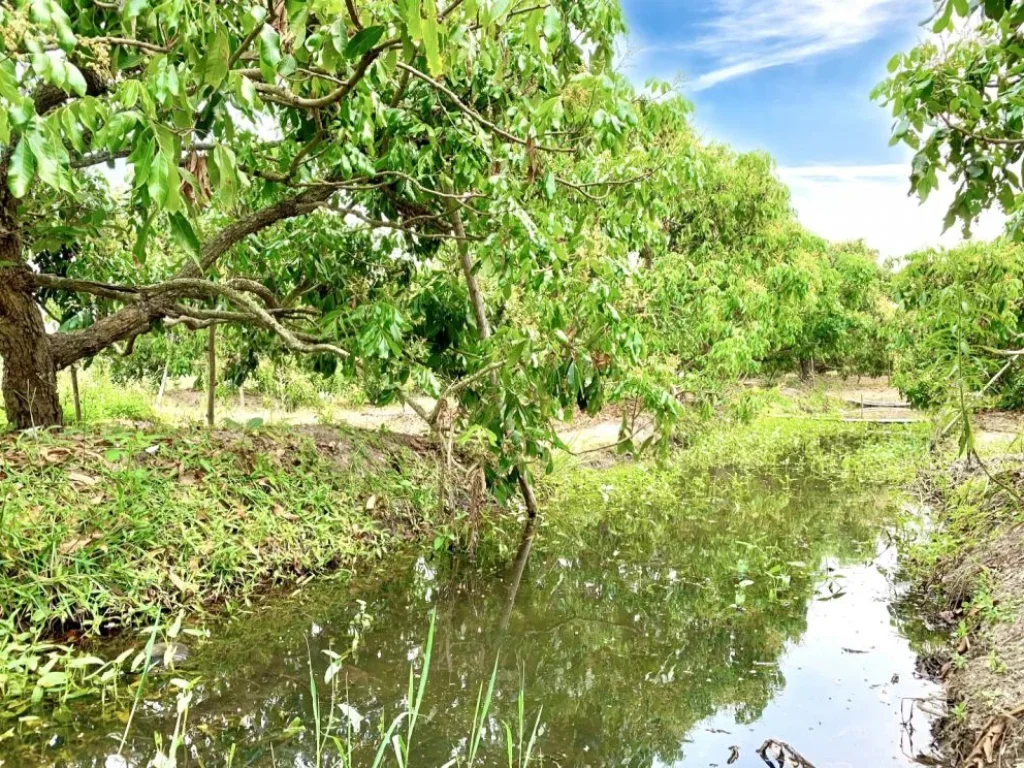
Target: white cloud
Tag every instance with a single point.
(871, 203)
(747, 36)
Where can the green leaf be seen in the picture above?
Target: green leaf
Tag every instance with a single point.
(53, 679)
(995, 9)
(430, 40)
(549, 185)
(270, 52)
(215, 63)
(411, 15)
(133, 8)
(363, 41)
(75, 80)
(944, 21)
(183, 232)
(22, 169)
(552, 23)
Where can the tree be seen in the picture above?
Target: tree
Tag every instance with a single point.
(412, 192)
(957, 103)
(959, 312)
(835, 315)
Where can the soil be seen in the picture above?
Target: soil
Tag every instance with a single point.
(984, 677)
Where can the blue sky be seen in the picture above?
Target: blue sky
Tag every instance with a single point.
(793, 77)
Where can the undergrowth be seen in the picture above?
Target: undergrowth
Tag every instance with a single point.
(866, 452)
(106, 529)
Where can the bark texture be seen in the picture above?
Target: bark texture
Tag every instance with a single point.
(30, 376)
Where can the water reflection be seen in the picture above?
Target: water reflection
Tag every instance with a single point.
(663, 628)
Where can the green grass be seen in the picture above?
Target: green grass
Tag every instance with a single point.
(106, 529)
(873, 453)
(101, 529)
(966, 516)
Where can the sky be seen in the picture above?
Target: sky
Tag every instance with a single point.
(793, 78)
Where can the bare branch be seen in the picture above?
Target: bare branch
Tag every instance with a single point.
(105, 156)
(127, 42)
(244, 46)
(139, 317)
(353, 14)
(253, 287)
(1003, 142)
(92, 287)
(382, 224)
(285, 97)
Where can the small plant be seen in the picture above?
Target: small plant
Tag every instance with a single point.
(959, 711)
(995, 664)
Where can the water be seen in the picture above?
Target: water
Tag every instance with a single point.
(657, 628)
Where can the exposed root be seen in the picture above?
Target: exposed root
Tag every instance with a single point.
(987, 748)
(778, 754)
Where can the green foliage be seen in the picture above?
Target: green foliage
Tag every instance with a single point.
(841, 323)
(865, 453)
(957, 103)
(283, 509)
(409, 126)
(959, 311)
(738, 287)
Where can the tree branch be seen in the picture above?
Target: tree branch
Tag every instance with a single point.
(1007, 142)
(128, 42)
(469, 111)
(284, 96)
(353, 14)
(140, 316)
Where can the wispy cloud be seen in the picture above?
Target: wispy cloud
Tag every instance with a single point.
(838, 173)
(746, 36)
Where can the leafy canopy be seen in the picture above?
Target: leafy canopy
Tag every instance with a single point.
(956, 101)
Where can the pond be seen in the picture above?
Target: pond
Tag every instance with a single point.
(681, 625)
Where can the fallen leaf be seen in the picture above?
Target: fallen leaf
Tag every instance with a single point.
(83, 479)
(70, 546)
(284, 514)
(53, 455)
(182, 585)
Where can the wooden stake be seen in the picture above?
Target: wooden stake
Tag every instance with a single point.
(211, 373)
(74, 393)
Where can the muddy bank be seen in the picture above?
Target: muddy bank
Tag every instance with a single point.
(972, 566)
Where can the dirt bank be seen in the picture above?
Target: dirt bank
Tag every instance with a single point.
(973, 565)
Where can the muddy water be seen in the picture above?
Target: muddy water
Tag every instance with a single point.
(646, 633)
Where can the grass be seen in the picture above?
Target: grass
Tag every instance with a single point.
(104, 529)
(111, 526)
(875, 453)
(335, 726)
(968, 567)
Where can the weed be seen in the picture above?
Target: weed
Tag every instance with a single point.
(959, 711)
(994, 663)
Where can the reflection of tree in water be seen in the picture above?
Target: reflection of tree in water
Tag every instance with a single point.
(648, 608)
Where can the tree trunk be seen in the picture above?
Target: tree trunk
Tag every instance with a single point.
(806, 369)
(30, 392)
(484, 329)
